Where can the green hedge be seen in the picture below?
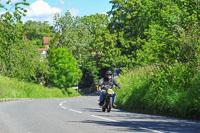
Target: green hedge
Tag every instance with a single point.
(174, 91)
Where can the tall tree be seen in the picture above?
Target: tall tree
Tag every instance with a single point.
(82, 35)
(72, 34)
(154, 23)
(175, 37)
(19, 57)
(10, 33)
(35, 31)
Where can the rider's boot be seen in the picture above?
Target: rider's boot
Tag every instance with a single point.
(101, 103)
(114, 105)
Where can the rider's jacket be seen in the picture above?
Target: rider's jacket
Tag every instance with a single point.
(107, 83)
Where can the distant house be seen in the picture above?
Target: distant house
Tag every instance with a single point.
(99, 53)
(46, 40)
(44, 50)
(45, 43)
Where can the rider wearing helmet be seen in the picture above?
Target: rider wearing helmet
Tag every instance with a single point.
(107, 82)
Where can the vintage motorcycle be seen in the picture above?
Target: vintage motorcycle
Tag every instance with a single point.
(108, 100)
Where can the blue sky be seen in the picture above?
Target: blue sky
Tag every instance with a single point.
(40, 10)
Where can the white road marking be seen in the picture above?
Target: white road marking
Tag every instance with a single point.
(154, 131)
(103, 118)
(76, 111)
(61, 104)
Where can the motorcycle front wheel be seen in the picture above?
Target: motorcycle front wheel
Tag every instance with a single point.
(110, 104)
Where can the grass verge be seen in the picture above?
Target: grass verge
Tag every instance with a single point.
(174, 91)
(12, 88)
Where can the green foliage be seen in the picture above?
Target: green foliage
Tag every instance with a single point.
(13, 13)
(134, 86)
(19, 57)
(36, 31)
(129, 20)
(84, 35)
(156, 30)
(164, 46)
(110, 55)
(26, 63)
(173, 91)
(74, 35)
(159, 32)
(12, 88)
(90, 74)
(137, 32)
(64, 71)
(71, 92)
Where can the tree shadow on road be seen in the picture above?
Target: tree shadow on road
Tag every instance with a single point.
(148, 126)
(91, 109)
(98, 110)
(134, 122)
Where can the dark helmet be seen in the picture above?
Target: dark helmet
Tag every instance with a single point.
(108, 73)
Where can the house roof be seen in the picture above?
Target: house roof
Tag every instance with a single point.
(46, 43)
(46, 40)
(94, 52)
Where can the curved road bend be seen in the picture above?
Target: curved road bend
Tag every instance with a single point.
(82, 115)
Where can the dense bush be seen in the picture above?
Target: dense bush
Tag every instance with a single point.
(64, 71)
(173, 91)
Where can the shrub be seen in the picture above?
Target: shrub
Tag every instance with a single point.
(64, 71)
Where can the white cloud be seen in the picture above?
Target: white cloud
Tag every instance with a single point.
(41, 8)
(62, 2)
(41, 11)
(105, 13)
(2, 13)
(74, 12)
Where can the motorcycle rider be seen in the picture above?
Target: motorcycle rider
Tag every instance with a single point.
(107, 81)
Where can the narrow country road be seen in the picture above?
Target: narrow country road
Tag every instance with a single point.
(82, 115)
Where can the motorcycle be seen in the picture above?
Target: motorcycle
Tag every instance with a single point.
(108, 100)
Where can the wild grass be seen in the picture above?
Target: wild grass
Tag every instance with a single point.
(12, 88)
(173, 92)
